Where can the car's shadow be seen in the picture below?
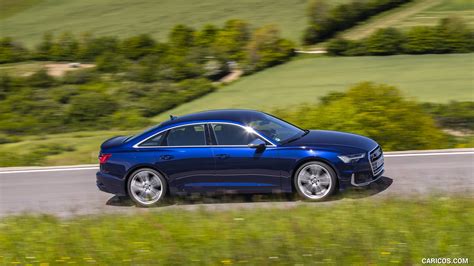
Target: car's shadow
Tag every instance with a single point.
(354, 193)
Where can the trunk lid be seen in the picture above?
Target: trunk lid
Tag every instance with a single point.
(113, 142)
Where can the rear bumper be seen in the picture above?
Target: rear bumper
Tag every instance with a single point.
(111, 184)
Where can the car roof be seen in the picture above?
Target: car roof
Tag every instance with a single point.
(237, 115)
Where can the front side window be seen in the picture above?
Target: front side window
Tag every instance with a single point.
(227, 134)
(192, 135)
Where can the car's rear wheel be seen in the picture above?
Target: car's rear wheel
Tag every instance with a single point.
(146, 187)
(315, 181)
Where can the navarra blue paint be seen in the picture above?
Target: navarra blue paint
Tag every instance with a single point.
(243, 151)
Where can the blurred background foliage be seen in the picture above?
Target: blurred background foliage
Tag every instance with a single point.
(377, 111)
(126, 82)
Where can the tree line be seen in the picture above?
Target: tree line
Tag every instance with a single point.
(326, 20)
(451, 35)
(189, 51)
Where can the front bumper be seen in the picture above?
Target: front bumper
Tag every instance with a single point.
(364, 179)
(111, 184)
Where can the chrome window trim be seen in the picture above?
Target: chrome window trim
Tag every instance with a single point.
(137, 146)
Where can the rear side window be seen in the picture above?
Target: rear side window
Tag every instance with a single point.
(154, 141)
(192, 135)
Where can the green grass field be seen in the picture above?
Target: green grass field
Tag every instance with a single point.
(428, 78)
(417, 13)
(353, 232)
(27, 20)
(85, 148)
(446, 8)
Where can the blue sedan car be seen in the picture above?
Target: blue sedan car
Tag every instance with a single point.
(238, 151)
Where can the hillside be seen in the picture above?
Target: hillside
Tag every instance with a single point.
(434, 78)
(27, 20)
(418, 13)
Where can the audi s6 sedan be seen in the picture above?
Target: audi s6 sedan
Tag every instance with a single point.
(237, 151)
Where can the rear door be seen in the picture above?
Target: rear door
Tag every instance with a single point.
(185, 157)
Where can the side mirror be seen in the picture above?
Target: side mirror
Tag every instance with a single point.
(258, 144)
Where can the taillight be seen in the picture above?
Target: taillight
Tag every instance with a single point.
(103, 158)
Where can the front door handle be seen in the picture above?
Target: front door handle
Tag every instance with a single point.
(222, 156)
(166, 157)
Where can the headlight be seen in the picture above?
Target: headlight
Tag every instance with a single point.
(352, 158)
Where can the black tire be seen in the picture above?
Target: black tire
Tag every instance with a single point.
(133, 195)
(332, 178)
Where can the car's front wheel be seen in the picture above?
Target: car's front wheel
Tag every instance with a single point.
(146, 187)
(315, 181)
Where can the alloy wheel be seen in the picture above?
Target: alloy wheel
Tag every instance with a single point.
(146, 187)
(314, 181)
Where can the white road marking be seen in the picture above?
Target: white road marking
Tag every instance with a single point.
(49, 170)
(386, 155)
(428, 154)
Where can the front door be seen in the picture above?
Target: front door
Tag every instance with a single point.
(239, 167)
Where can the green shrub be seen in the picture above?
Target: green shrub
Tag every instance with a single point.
(453, 115)
(41, 79)
(110, 62)
(387, 41)
(456, 36)
(64, 48)
(338, 46)
(128, 119)
(80, 76)
(231, 40)
(376, 111)
(138, 46)
(266, 48)
(422, 40)
(89, 108)
(11, 51)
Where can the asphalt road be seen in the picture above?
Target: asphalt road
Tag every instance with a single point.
(66, 191)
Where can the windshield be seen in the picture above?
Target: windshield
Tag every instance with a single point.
(276, 129)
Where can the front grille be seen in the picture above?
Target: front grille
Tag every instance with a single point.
(376, 160)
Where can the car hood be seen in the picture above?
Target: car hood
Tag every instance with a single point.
(334, 138)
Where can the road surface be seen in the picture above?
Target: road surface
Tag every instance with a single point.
(66, 191)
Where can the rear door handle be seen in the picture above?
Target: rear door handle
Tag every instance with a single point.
(166, 157)
(222, 156)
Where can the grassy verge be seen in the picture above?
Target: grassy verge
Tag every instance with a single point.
(354, 232)
(56, 149)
